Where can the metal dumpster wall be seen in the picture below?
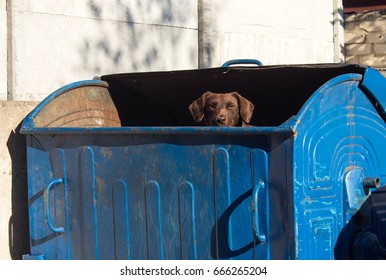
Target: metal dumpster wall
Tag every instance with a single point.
(149, 196)
(339, 141)
(265, 192)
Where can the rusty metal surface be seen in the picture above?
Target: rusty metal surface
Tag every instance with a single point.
(87, 106)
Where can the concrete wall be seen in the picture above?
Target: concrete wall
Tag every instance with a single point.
(53, 45)
(3, 50)
(13, 187)
(275, 32)
(44, 46)
(365, 38)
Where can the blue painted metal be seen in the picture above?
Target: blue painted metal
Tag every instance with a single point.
(374, 85)
(48, 211)
(261, 237)
(260, 205)
(339, 140)
(306, 188)
(242, 61)
(33, 257)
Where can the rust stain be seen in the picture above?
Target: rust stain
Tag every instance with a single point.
(107, 152)
(89, 106)
(349, 168)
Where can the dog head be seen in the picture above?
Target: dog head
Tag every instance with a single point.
(222, 109)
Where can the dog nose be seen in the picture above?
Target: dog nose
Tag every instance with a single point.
(220, 118)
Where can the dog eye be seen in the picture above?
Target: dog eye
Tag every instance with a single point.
(231, 105)
(212, 105)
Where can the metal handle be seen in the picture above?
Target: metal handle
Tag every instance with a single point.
(255, 210)
(48, 216)
(242, 61)
(370, 184)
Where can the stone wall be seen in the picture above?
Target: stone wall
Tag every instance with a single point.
(365, 38)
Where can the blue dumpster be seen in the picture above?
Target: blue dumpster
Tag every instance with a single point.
(117, 168)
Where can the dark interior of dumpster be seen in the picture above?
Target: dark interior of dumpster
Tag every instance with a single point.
(162, 98)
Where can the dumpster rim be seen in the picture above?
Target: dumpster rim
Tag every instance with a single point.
(321, 90)
(28, 125)
(162, 130)
(225, 70)
(28, 122)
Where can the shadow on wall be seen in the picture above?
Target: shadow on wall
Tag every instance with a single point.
(18, 223)
(339, 21)
(141, 36)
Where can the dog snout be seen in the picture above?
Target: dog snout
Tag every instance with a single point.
(221, 118)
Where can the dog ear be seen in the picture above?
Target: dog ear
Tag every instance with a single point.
(197, 108)
(246, 107)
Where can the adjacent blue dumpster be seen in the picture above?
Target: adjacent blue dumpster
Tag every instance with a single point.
(117, 169)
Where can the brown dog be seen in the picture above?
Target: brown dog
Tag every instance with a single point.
(222, 109)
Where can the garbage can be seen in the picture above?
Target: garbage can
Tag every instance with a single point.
(117, 168)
